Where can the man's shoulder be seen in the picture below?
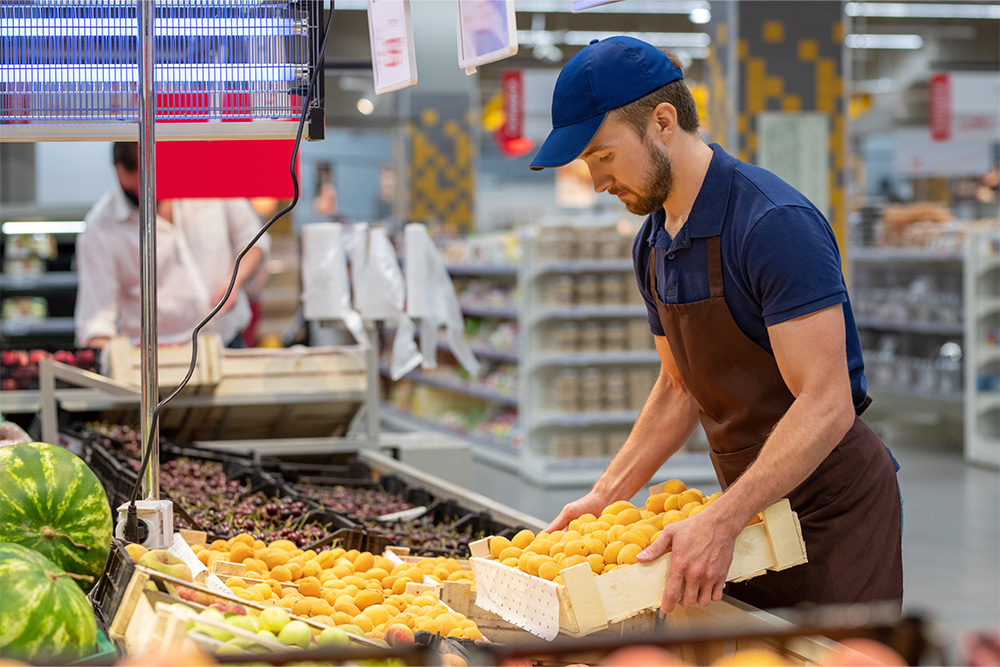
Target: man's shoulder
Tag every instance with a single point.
(757, 183)
(105, 212)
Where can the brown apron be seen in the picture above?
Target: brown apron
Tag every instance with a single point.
(849, 507)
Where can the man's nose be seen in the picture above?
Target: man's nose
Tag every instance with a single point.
(601, 180)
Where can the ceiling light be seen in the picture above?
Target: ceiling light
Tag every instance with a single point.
(922, 10)
(871, 41)
(366, 106)
(700, 15)
(584, 37)
(44, 227)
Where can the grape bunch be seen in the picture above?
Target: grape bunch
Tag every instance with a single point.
(423, 536)
(116, 438)
(356, 503)
(224, 507)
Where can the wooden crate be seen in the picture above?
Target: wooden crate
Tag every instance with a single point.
(588, 603)
(173, 361)
(292, 370)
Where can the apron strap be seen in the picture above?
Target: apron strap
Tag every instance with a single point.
(713, 251)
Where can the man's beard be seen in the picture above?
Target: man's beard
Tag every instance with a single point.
(132, 197)
(659, 181)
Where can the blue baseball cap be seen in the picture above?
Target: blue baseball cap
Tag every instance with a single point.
(603, 76)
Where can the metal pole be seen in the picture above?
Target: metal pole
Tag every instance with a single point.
(147, 245)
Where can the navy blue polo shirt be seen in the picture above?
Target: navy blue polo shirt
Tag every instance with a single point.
(780, 258)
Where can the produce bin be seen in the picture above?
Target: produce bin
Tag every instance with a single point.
(107, 594)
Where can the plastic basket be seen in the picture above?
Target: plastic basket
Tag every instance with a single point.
(106, 596)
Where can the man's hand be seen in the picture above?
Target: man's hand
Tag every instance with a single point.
(221, 292)
(702, 548)
(593, 503)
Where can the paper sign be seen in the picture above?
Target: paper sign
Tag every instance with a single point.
(394, 64)
(795, 146)
(487, 32)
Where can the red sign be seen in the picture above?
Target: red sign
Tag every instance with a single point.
(232, 168)
(940, 107)
(508, 136)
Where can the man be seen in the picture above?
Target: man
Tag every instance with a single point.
(197, 241)
(742, 278)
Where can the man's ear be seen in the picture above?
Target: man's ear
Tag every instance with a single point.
(664, 120)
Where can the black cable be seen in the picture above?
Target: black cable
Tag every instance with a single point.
(131, 528)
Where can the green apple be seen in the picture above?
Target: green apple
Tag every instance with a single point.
(215, 633)
(230, 649)
(163, 561)
(241, 642)
(274, 619)
(267, 634)
(332, 636)
(296, 633)
(248, 623)
(352, 629)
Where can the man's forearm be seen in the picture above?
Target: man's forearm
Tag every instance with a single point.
(248, 265)
(663, 426)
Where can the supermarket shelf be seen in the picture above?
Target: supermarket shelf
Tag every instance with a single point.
(53, 280)
(911, 392)
(86, 400)
(486, 352)
(938, 328)
(903, 255)
(482, 269)
(571, 419)
(51, 325)
(484, 448)
(498, 312)
(588, 312)
(586, 266)
(595, 358)
(988, 306)
(458, 388)
(987, 400)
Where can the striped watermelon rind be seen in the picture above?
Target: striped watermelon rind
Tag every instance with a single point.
(51, 502)
(44, 615)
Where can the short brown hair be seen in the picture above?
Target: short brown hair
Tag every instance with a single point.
(126, 153)
(636, 113)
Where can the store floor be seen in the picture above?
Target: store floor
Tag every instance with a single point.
(951, 532)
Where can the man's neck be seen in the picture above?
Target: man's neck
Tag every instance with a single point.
(690, 162)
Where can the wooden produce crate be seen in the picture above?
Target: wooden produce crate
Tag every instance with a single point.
(461, 596)
(292, 370)
(587, 603)
(173, 361)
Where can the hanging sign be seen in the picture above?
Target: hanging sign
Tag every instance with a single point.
(940, 107)
(390, 30)
(487, 32)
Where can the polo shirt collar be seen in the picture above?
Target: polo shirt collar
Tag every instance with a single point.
(709, 209)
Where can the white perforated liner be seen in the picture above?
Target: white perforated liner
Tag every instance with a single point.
(200, 573)
(517, 597)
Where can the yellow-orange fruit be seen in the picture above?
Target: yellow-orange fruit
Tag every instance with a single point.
(240, 552)
(611, 552)
(596, 562)
(627, 516)
(309, 586)
(275, 557)
(536, 562)
(522, 539)
(301, 608)
(674, 486)
(636, 537)
(549, 570)
(540, 545)
(235, 582)
(672, 516)
(690, 496)
(628, 554)
(364, 623)
(367, 598)
(281, 573)
(497, 545)
(576, 548)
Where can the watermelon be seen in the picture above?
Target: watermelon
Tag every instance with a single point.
(45, 617)
(51, 502)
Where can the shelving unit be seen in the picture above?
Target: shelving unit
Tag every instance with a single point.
(982, 348)
(587, 359)
(907, 304)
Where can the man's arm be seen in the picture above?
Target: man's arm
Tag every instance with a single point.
(243, 224)
(809, 351)
(96, 313)
(664, 424)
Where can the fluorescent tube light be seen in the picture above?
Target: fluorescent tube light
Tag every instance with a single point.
(922, 10)
(584, 37)
(129, 73)
(44, 227)
(163, 27)
(875, 41)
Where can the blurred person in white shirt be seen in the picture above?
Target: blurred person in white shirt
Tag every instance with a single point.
(197, 241)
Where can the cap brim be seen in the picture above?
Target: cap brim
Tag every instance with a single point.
(564, 144)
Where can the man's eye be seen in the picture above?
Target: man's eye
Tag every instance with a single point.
(607, 158)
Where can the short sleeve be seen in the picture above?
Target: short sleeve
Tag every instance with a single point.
(244, 223)
(791, 264)
(640, 262)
